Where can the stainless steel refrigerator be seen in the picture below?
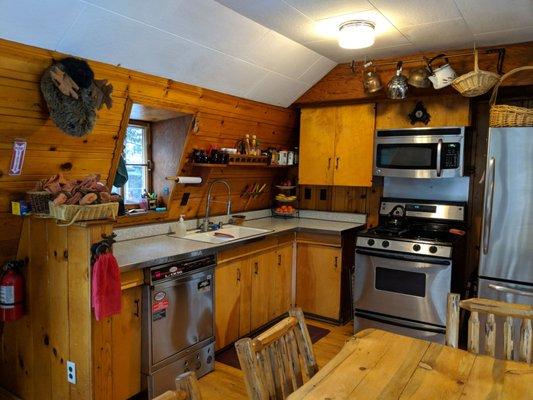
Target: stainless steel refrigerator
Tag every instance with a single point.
(506, 260)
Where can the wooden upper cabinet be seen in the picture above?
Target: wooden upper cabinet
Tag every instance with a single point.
(337, 145)
(317, 146)
(354, 145)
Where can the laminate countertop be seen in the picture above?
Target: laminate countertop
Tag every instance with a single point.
(150, 251)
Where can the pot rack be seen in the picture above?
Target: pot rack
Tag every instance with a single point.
(354, 65)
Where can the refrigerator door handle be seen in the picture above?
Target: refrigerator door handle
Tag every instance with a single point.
(488, 204)
(507, 289)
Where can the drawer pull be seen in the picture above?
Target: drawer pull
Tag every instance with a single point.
(256, 268)
(279, 259)
(238, 274)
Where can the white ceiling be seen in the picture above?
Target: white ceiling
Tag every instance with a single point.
(266, 50)
(403, 26)
(199, 42)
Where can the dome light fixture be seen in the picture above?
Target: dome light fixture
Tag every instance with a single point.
(357, 34)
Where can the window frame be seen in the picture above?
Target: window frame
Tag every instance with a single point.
(147, 156)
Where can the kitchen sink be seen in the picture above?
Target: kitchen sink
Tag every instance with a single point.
(228, 233)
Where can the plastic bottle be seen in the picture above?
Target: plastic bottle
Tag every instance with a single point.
(181, 228)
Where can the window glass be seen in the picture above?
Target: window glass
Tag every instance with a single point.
(136, 157)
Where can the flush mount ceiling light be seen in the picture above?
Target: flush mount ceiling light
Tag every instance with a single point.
(357, 34)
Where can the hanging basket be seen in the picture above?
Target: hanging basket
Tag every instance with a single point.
(476, 82)
(504, 115)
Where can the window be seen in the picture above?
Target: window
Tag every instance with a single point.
(136, 154)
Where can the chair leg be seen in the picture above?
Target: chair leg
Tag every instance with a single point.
(247, 360)
(452, 320)
(188, 383)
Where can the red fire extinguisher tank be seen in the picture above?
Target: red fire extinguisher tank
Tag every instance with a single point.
(11, 292)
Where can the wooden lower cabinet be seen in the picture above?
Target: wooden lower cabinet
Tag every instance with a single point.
(318, 279)
(127, 346)
(232, 311)
(280, 298)
(251, 291)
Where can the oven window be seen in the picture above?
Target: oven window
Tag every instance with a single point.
(407, 156)
(405, 282)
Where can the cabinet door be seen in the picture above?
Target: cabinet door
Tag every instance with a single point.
(263, 267)
(318, 278)
(317, 139)
(126, 345)
(354, 145)
(227, 302)
(280, 298)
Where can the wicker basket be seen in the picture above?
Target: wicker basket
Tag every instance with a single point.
(75, 213)
(39, 202)
(476, 82)
(504, 115)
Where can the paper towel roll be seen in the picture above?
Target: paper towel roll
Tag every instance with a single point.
(187, 179)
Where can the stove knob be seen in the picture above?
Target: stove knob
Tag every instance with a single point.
(433, 249)
(416, 247)
(385, 243)
(370, 242)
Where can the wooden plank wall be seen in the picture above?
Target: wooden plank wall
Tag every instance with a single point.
(57, 324)
(342, 84)
(23, 114)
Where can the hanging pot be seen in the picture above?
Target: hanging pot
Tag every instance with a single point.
(371, 81)
(397, 87)
(442, 76)
(418, 78)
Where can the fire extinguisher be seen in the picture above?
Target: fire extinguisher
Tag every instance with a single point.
(11, 291)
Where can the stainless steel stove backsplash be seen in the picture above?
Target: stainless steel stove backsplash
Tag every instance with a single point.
(448, 189)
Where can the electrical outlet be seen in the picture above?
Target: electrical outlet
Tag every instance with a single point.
(71, 372)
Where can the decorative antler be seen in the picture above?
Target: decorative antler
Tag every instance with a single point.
(64, 82)
(101, 93)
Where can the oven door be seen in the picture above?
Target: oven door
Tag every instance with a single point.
(400, 285)
(419, 156)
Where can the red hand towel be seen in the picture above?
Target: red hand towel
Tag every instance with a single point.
(106, 287)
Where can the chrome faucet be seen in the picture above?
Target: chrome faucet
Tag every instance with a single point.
(205, 225)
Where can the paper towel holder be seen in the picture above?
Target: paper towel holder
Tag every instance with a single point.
(185, 180)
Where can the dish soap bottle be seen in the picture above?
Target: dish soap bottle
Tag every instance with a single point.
(181, 228)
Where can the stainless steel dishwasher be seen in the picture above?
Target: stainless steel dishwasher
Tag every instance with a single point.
(177, 329)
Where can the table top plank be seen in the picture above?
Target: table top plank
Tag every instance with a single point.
(389, 376)
(515, 380)
(441, 374)
(380, 365)
(350, 366)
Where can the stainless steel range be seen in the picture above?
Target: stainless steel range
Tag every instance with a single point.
(405, 267)
(177, 330)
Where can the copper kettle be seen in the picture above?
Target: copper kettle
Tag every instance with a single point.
(371, 81)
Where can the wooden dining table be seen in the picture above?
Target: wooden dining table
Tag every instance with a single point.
(375, 364)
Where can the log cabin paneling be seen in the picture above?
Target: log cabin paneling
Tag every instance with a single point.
(342, 84)
(222, 119)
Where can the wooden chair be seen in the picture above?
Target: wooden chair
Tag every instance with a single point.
(186, 389)
(492, 308)
(276, 362)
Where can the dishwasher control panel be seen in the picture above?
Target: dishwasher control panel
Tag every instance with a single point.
(174, 270)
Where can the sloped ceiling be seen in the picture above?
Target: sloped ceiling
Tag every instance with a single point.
(199, 42)
(402, 26)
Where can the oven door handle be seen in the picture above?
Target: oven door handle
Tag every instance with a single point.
(399, 323)
(394, 256)
(439, 157)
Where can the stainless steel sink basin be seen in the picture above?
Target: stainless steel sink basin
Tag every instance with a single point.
(228, 233)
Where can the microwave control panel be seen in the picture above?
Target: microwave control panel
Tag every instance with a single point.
(450, 155)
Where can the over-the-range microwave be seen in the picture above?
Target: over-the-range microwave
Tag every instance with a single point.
(420, 152)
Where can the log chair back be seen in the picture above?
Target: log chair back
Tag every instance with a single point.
(186, 388)
(492, 308)
(277, 362)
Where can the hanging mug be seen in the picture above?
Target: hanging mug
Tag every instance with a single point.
(442, 76)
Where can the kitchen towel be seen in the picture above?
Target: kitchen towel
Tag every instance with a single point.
(106, 287)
